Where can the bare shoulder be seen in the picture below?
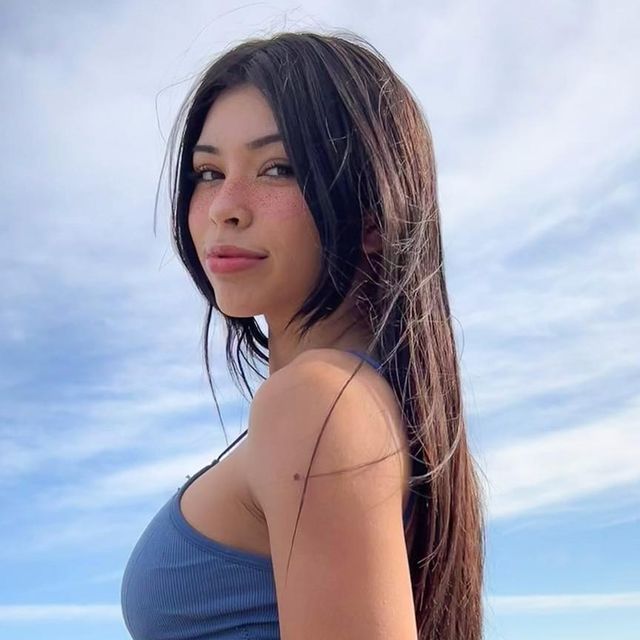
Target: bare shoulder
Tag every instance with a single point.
(291, 405)
(310, 432)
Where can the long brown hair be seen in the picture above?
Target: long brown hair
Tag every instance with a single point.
(362, 153)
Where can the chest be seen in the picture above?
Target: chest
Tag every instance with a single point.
(219, 506)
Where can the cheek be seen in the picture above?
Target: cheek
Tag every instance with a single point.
(289, 223)
(197, 215)
(280, 204)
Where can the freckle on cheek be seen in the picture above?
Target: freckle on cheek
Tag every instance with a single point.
(281, 206)
(274, 203)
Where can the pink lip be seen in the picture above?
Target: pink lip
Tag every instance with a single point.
(229, 265)
(231, 251)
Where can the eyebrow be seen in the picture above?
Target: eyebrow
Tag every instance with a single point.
(252, 145)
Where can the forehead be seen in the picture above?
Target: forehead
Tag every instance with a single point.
(238, 114)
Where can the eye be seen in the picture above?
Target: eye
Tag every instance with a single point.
(202, 174)
(288, 171)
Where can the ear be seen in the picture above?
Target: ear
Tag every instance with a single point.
(371, 240)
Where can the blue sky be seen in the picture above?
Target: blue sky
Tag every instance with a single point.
(105, 407)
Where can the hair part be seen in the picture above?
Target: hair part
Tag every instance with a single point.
(363, 154)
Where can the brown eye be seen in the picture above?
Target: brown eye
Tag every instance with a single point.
(288, 171)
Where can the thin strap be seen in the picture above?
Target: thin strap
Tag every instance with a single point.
(192, 478)
(370, 359)
(242, 435)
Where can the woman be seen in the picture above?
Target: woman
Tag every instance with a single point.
(351, 509)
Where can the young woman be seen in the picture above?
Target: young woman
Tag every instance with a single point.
(351, 508)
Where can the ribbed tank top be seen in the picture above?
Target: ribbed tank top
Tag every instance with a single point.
(181, 585)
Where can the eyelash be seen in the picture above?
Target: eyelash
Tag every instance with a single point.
(196, 174)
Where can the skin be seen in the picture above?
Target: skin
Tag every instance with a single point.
(243, 200)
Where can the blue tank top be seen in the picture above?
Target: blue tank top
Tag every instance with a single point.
(180, 585)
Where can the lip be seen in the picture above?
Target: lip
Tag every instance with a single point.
(231, 251)
(216, 264)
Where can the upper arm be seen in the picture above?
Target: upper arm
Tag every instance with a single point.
(348, 575)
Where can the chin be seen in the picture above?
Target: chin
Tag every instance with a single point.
(240, 315)
(238, 309)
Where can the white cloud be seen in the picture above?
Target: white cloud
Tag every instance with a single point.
(55, 612)
(563, 603)
(127, 485)
(134, 423)
(555, 469)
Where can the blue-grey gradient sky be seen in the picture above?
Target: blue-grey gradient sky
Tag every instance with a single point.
(535, 115)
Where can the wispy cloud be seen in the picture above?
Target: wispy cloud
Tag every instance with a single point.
(557, 468)
(75, 445)
(563, 603)
(127, 485)
(54, 612)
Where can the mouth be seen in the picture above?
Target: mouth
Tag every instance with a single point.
(231, 264)
(229, 251)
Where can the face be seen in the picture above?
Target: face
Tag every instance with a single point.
(246, 195)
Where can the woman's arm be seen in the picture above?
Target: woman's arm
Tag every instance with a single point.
(348, 576)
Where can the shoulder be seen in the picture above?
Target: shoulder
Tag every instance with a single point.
(349, 530)
(322, 370)
(289, 409)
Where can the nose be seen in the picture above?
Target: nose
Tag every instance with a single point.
(231, 203)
